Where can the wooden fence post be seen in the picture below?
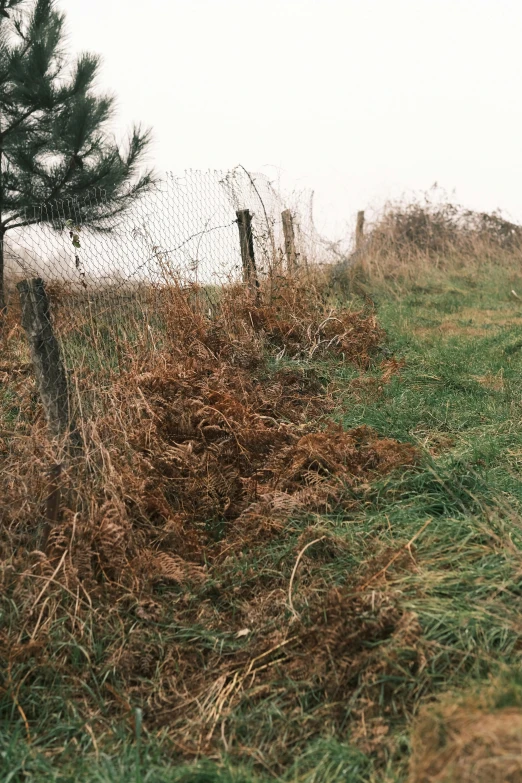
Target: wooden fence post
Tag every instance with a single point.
(288, 231)
(51, 381)
(49, 370)
(53, 502)
(244, 222)
(359, 230)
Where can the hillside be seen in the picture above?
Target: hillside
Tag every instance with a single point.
(290, 550)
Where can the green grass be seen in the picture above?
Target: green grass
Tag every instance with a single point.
(446, 535)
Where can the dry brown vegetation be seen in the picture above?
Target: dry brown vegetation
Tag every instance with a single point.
(469, 738)
(411, 239)
(191, 461)
(189, 570)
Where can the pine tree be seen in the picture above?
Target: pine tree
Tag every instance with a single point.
(54, 129)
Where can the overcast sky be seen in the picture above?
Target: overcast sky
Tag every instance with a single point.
(360, 100)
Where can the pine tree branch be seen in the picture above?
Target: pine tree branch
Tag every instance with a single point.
(20, 225)
(17, 123)
(55, 143)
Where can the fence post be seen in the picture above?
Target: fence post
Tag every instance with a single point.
(52, 505)
(246, 240)
(288, 231)
(49, 370)
(359, 230)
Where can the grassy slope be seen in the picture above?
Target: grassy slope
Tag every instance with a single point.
(445, 540)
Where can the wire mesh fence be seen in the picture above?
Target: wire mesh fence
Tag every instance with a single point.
(111, 280)
(185, 226)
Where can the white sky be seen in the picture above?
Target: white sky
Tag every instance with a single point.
(359, 99)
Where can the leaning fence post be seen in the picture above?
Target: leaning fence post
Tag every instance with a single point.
(359, 230)
(51, 381)
(244, 222)
(49, 370)
(288, 231)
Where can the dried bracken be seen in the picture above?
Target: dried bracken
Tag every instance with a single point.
(411, 239)
(194, 455)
